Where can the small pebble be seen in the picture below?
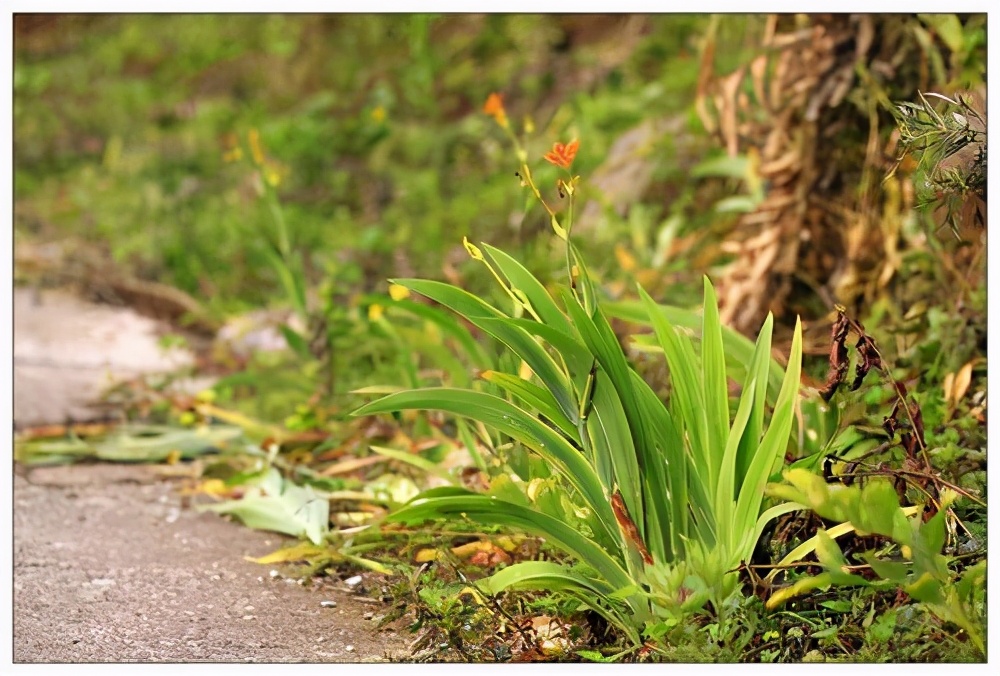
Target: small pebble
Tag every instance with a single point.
(328, 604)
(353, 581)
(274, 574)
(349, 649)
(249, 617)
(369, 615)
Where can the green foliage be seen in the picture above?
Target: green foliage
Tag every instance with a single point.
(687, 480)
(923, 573)
(122, 124)
(274, 503)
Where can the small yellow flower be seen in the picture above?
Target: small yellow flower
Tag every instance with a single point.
(398, 292)
(378, 114)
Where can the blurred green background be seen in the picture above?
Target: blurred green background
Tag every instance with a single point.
(134, 135)
(373, 124)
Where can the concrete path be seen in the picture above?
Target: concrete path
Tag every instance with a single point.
(67, 351)
(108, 567)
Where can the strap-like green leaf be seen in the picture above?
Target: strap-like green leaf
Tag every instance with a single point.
(520, 278)
(489, 510)
(536, 397)
(685, 380)
(714, 385)
(758, 371)
(738, 348)
(498, 325)
(550, 576)
(516, 423)
(621, 414)
(775, 440)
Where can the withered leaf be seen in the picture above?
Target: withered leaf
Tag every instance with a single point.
(868, 358)
(627, 525)
(838, 356)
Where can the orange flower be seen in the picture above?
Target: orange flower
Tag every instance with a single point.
(562, 155)
(494, 108)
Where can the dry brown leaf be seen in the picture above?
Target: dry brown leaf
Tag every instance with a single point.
(962, 381)
(948, 386)
(352, 464)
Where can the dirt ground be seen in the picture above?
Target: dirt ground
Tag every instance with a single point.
(109, 567)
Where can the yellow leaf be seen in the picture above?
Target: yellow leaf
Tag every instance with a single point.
(524, 371)
(426, 555)
(506, 543)
(475, 593)
(962, 381)
(468, 549)
(375, 312)
(626, 261)
(560, 232)
(212, 487)
(534, 487)
(173, 457)
(948, 385)
(299, 552)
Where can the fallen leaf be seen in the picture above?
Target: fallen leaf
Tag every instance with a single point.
(426, 555)
(962, 381)
(351, 464)
(302, 551)
(278, 505)
(948, 386)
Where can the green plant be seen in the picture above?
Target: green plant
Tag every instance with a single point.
(950, 147)
(918, 568)
(657, 504)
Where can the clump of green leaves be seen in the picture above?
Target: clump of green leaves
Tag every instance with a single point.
(916, 566)
(667, 500)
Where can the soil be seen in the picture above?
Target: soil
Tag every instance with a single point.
(109, 567)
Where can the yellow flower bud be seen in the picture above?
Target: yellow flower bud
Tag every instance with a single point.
(472, 249)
